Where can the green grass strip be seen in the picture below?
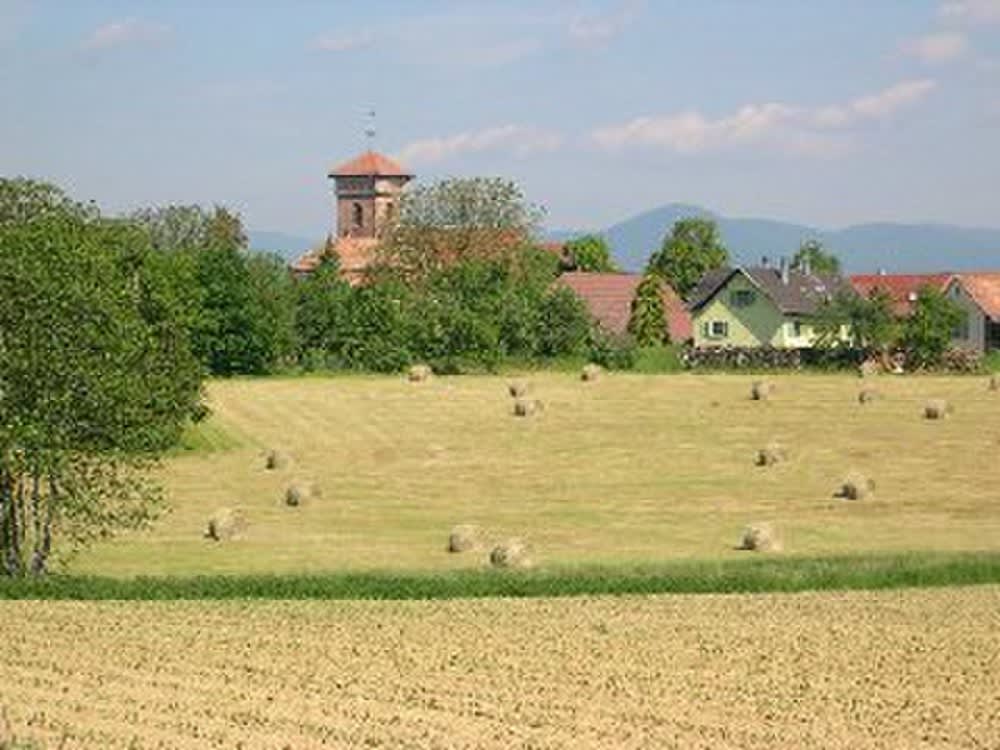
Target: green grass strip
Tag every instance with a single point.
(756, 575)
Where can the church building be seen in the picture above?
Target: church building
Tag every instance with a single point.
(367, 190)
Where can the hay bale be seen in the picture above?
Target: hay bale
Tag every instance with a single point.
(937, 408)
(591, 372)
(463, 538)
(761, 390)
(856, 486)
(868, 395)
(225, 523)
(527, 407)
(771, 454)
(510, 554)
(277, 459)
(419, 373)
(299, 492)
(517, 389)
(760, 537)
(994, 383)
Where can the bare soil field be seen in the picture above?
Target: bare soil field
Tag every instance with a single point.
(906, 669)
(628, 469)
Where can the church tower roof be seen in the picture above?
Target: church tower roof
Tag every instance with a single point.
(370, 163)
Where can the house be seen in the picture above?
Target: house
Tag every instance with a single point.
(608, 297)
(979, 295)
(902, 289)
(752, 306)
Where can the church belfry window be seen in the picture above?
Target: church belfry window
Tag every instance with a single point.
(357, 216)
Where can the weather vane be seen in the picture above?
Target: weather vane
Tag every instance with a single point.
(370, 128)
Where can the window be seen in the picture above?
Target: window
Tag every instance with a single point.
(716, 329)
(795, 328)
(357, 215)
(742, 297)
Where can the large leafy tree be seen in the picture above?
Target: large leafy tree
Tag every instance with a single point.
(870, 324)
(691, 249)
(927, 333)
(191, 227)
(648, 322)
(456, 220)
(96, 375)
(590, 253)
(811, 253)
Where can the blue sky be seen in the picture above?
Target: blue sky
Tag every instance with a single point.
(827, 112)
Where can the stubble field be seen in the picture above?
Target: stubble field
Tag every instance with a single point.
(906, 669)
(630, 469)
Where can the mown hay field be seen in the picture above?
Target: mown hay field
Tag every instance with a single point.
(627, 469)
(904, 669)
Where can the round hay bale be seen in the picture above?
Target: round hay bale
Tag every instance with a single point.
(994, 383)
(856, 486)
(760, 537)
(868, 395)
(510, 554)
(937, 408)
(591, 372)
(419, 373)
(761, 390)
(225, 523)
(299, 492)
(277, 459)
(527, 407)
(517, 389)
(463, 538)
(771, 454)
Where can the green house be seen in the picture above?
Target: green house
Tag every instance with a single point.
(763, 305)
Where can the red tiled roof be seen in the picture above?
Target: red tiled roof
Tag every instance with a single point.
(984, 288)
(355, 254)
(901, 288)
(609, 297)
(369, 163)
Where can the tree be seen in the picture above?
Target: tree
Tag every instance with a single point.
(322, 313)
(456, 220)
(927, 333)
(811, 253)
(692, 249)
(870, 323)
(96, 377)
(191, 227)
(590, 253)
(648, 322)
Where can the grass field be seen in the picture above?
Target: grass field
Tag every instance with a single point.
(908, 669)
(629, 470)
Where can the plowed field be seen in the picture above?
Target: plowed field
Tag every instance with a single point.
(910, 669)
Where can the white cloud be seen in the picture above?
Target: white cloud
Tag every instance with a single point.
(125, 32)
(971, 11)
(518, 140)
(937, 48)
(343, 42)
(598, 28)
(808, 131)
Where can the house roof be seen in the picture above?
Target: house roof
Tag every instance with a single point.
(608, 297)
(802, 295)
(355, 255)
(902, 288)
(370, 163)
(984, 288)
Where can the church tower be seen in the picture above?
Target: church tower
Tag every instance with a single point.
(367, 190)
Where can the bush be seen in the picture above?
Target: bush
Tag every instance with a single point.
(613, 351)
(658, 359)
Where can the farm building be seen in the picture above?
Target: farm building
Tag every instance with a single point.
(763, 305)
(608, 297)
(979, 295)
(902, 289)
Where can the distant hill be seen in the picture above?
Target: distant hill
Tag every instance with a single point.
(288, 246)
(864, 247)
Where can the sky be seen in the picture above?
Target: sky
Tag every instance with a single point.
(826, 112)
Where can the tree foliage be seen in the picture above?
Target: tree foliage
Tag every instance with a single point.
(648, 321)
(191, 227)
(927, 333)
(691, 249)
(590, 253)
(96, 375)
(811, 253)
(869, 323)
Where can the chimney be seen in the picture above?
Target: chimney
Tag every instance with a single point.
(783, 270)
(806, 266)
(881, 272)
(765, 262)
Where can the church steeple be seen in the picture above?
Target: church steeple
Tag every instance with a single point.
(367, 192)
